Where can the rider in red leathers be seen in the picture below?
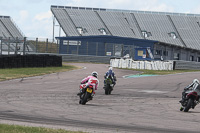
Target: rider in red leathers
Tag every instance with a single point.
(90, 80)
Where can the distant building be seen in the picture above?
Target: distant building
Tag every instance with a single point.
(150, 35)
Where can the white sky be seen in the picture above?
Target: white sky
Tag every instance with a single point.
(34, 18)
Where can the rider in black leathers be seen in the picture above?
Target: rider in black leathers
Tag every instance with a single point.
(192, 86)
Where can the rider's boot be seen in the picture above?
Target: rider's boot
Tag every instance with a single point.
(182, 100)
(78, 94)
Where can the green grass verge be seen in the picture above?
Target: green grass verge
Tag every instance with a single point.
(163, 72)
(4, 128)
(13, 73)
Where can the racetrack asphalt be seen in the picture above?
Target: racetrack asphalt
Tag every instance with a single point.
(136, 105)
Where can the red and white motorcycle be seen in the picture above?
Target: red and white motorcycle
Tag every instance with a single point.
(86, 94)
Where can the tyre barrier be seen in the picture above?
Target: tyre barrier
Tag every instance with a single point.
(21, 61)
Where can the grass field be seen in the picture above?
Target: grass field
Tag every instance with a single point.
(22, 129)
(13, 73)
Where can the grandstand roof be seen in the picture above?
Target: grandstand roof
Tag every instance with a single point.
(128, 11)
(177, 29)
(8, 28)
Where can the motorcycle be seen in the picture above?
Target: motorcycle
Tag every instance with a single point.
(86, 93)
(191, 100)
(108, 85)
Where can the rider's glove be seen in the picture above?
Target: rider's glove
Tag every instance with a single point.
(185, 88)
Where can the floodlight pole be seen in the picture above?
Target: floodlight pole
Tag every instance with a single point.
(53, 27)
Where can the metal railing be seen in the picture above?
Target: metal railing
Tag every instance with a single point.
(22, 46)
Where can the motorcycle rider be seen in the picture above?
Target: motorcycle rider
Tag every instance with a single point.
(192, 86)
(90, 80)
(112, 74)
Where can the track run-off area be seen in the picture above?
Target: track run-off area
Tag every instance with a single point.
(137, 105)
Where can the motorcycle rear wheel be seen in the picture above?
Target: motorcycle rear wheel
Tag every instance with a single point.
(189, 105)
(85, 98)
(107, 89)
(110, 89)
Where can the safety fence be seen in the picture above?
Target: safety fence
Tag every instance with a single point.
(149, 65)
(25, 45)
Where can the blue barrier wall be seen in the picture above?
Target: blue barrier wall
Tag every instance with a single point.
(99, 45)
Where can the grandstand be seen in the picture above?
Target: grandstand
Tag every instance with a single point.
(175, 35)
(11, 38)
(8, 28)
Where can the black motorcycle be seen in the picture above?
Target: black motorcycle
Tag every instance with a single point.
(191, 99)
(108, 85)
(86, 94)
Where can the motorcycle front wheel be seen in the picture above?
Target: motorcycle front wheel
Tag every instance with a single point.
(189, 105)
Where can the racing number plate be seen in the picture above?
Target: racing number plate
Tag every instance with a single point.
(89, 90)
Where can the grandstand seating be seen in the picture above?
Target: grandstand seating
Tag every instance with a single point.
(11, 36)
(87, 20)
(65, 22)
(116, 24)
(159, 27)
(154, 23)
(189, 30)
(8, 29)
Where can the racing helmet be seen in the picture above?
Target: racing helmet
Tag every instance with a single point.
(196, 81)
(110, 68)
(95, 74)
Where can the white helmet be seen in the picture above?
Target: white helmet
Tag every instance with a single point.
(95, 74)
(110, 68)
(196, 81)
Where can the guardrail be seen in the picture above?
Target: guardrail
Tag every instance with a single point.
(180, 64)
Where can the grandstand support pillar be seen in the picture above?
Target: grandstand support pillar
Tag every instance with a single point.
(122, 52)
(105, 48)
(36, 45)
(97, 49)
(24, 46)
(68, 47)
(58, 45)
(1, 39)
(9, 46)
(77, 48)
(16, 46)
(113, 53)
(87, 49)
(46, 46)
(172, 55)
